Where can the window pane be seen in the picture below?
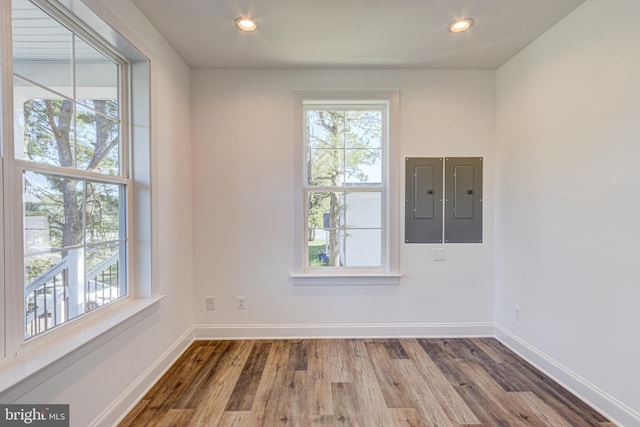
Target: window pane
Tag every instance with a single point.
(63, 277)
(344, 147)
(46, 292)
(363, 166)
(49, 131)
(363, 129)
(103, 276)
(103, 204)
(326, 166)
(326, 209)
(52, 212)
(362, 248)
(36, 265)
(326, 249)
(326, 217)
(363, 210)
(42, 48)
(56, 294)
(43, 126)
(318, 208)
(96, 78)
(363, 143)
(344, 229)
(97, 140)
(318, 250)
(325, 128)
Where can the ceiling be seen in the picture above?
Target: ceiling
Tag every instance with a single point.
(352, 33)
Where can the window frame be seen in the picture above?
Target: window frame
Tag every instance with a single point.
(49, 351)
(5, 28)
(388, 273)
(21, 165)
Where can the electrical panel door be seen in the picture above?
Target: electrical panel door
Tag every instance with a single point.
(463, 200)
(423, 200)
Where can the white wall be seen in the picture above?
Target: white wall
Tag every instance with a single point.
(243, 211)
(99, 378)
(567, 201)
(565, 196)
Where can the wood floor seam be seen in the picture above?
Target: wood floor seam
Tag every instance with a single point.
(358, 382)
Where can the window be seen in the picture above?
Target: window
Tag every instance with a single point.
(70, 237)
(69, 151)
(344, 187)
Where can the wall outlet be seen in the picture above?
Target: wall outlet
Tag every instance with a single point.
(240, 303)
(518, 313)
(210, 303)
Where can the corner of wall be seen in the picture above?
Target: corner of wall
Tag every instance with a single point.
(130, 397)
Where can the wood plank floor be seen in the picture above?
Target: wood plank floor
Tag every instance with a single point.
(357, 382)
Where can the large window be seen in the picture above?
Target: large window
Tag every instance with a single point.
(65, 173)
(75, 183)
(345, 187)
(70, 162)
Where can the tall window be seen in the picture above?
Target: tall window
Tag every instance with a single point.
(345, 166)
(345, 187)
(70, 164)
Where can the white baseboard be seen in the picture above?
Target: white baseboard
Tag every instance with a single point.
(606, 404)
(119, 408)
(367, 330)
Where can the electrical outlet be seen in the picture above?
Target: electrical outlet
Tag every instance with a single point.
(240, 302)
(438, 254)
(518, 313)
(210, 303)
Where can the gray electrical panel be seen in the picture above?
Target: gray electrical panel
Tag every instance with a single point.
(463, 200)
(423, 200)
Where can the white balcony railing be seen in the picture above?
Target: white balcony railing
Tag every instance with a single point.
(61, 293)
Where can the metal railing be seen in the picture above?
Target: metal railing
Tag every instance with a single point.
(54, 297)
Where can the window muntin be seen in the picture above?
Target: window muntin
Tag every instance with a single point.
(345, 188)
(69, 154)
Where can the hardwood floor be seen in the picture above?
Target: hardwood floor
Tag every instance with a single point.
(352, 382)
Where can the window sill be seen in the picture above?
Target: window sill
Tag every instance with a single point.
(342, 279)
(34, 365)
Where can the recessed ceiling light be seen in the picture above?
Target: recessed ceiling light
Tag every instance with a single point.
(246, 23)
(460, 25)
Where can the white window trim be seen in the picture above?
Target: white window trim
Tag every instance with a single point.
(5, 82)
(18, 166)
(24, 365)
(389, 274)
